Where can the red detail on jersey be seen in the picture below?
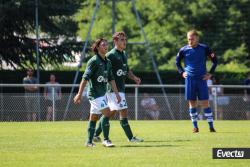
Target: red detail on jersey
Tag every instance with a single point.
(212, 55)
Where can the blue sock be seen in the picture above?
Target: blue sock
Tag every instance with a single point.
(208, 113)
(193, 114)
(211, 125)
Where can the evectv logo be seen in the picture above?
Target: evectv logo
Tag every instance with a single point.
(228, 154)
(231, 153)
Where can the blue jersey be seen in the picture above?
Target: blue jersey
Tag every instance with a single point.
(195, 60)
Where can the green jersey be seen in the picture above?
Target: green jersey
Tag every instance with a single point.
(98, 72)
(119, 67)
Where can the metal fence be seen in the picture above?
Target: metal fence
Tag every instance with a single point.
(16, 106)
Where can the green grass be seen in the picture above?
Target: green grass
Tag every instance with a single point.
(167, 143)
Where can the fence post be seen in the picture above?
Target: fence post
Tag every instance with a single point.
(136, 103)
(215, 103)
(53, 103)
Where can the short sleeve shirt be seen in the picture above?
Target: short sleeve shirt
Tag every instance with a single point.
(98, 72)
(120, 68)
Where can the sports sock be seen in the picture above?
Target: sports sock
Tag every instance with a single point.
(105, 127)
(98, 130)
(208, 113)
(194, 115)
(91, 130)
(126, 128)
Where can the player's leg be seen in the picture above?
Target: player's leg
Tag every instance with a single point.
(203, 97)
(105, 127)
(126, 127)
(91, 129)
(124, 123)
(208, 114)
(96, 106)
(190, 95)
(193, 114)
(98, 130)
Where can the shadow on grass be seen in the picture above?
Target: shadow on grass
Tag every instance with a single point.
(145, 146)
(162, 141)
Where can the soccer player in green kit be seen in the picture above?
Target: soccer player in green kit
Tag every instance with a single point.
(118, 58)
(98, 72)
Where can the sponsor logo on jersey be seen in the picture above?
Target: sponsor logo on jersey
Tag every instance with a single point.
(120, 72)
(102, 79)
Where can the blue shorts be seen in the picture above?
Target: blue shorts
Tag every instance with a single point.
(196, 88)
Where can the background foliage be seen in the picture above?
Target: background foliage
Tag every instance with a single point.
(223, 25)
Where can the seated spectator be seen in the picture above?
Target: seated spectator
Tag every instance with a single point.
(150, 107)
(218, 94)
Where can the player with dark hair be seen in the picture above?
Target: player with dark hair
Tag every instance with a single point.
(195, 55)
(120, 69)
(98, 72)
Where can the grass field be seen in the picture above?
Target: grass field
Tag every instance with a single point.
(167, 143)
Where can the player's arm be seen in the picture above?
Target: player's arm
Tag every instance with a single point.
(77, 98)
(90, 69)
(111, 80)
(133, 77)
(213, 58)
(114, 88)
(178, 59)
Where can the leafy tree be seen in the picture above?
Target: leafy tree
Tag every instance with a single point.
(17, 35)
(223, 25)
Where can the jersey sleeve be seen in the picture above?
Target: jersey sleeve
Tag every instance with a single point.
(178, 59)
(126, 61)
(210, 54)
(89, 71)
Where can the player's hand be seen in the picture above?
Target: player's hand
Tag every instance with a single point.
(207, 76)
(118, 98)
(137, 80)
(184, 75)
(77, 99)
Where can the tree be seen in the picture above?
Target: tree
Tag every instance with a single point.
(223, 25)
(17, 24)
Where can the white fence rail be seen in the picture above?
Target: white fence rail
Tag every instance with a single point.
(14, 104)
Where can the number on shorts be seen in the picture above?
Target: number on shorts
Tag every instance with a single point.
(124, 103)
(104, 103)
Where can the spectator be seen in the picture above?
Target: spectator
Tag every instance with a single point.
(150, 107)
(247, 96)
(209, 84)
(218, 93)
(52, 96)
(31, 96)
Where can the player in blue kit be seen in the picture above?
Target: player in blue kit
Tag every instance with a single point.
(195, 55)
